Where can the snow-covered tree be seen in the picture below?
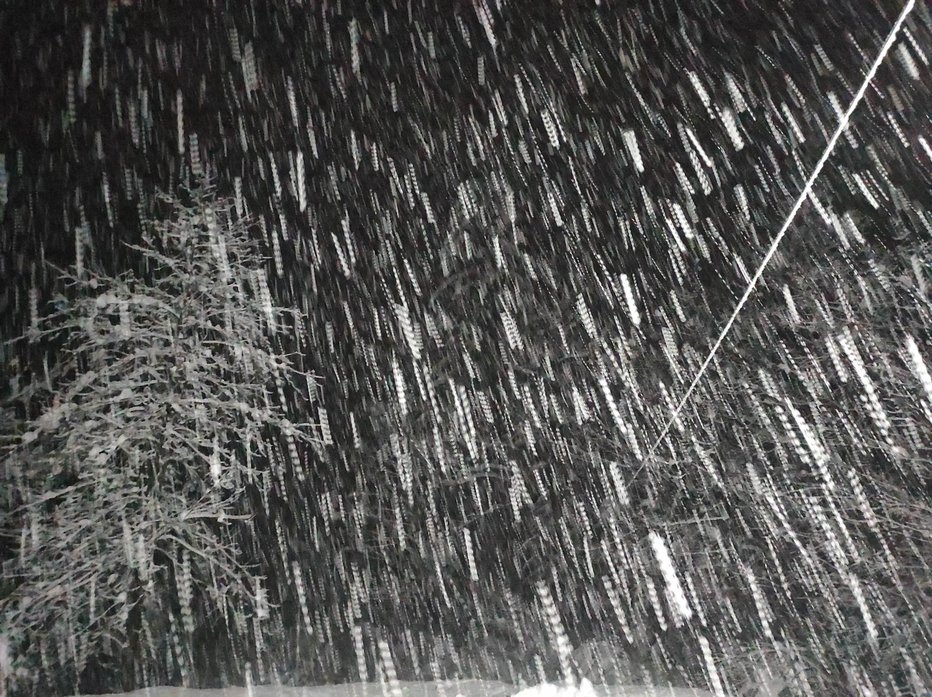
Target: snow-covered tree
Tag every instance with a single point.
(147, 437)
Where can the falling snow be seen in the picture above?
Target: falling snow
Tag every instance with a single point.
(580, 410)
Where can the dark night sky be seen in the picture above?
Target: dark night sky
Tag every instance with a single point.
(432, 142)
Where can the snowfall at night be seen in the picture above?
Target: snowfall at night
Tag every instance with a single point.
(466, 348)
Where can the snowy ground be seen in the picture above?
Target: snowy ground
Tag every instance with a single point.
(462, 688)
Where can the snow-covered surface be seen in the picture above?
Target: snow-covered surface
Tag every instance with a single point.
(448, 688)
(587, 689)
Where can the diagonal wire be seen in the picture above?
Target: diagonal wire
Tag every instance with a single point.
(807, 189)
